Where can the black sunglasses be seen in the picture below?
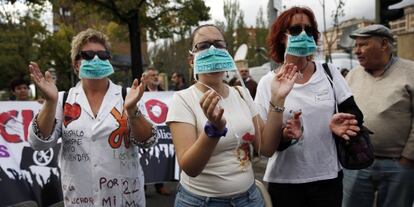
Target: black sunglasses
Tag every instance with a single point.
(90, 54)
(221, 44)
(297, 29)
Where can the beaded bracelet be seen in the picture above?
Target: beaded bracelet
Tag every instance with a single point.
(276, 108)
(148, 142)
(37, 131)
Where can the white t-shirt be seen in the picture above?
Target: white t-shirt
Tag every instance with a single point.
(224, 173)
(314, 157)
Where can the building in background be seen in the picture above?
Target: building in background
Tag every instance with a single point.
(342, 42)
(342, 45)
(403, 29)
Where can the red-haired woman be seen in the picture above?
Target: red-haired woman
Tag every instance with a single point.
(305, 170)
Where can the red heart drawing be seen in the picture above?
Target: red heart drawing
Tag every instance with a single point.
(157, 110)
(71, 113)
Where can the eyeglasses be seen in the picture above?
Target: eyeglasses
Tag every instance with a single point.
(221, 44)
(297, 29)
(90, 54)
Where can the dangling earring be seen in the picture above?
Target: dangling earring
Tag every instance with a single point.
(227, 74)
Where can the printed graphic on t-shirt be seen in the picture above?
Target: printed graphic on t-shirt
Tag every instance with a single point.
(244, 150)
(122, 132)
(71, 112)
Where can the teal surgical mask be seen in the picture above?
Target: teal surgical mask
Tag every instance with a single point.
(95, 68)
(301, 45)
(213, 60)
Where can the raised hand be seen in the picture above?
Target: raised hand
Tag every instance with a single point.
(284, 80)
(344, 125)
(211, 110)
(45, 83)
(293, 129)
(134, 95)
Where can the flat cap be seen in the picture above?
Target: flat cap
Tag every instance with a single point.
(373, 30)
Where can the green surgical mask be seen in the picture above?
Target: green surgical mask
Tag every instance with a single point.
(213, 60)
(95, 68)
(301, 45)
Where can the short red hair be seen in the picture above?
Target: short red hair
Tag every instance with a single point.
(280, 27)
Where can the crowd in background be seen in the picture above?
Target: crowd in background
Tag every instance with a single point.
(292, 116)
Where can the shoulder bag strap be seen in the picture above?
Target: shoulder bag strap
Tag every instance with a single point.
(330, 79)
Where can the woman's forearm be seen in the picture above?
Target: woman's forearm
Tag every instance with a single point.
(140, 126)
(46, 118)
(272, 129)
(197, 156)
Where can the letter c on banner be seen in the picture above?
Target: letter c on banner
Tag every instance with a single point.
(4, 118)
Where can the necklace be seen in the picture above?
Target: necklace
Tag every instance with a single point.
(300, 76)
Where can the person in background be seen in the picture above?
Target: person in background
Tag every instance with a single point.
(247, 79)
(216, 128)
(19, 88)
(152, 80)
(163, 79)
(305, 170)
(383, 86)
(177, 82)
(101, 128)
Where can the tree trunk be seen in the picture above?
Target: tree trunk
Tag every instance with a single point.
(135, 40)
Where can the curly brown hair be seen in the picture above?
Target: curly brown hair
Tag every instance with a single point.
(279, 28)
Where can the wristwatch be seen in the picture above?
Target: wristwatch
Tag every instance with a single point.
(213, 132)
(136, 114)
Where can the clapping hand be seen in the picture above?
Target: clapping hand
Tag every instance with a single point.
(293, 128)
(45, 83)
(284, 80)
(344, 125)
(211, 110)
(134, 95)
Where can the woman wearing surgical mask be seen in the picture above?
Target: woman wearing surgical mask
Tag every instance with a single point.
(100, 128)
(305, 170)
(215, 128)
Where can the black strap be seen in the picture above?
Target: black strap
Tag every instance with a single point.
(65, 96)
(328, 72)
(124, 92)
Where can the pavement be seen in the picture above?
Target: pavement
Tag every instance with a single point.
(156, 200)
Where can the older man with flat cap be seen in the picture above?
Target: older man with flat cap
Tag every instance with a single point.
(383, 87)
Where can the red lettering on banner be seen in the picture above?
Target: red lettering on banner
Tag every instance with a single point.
(27, 118)
(4, 118)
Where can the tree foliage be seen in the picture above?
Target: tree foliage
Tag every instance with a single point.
(171, 56)
(26, 39)
(20, 39)
(160, 18)
(334, 35)
(237, 33)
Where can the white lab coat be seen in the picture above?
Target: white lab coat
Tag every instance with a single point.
(94, 173)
